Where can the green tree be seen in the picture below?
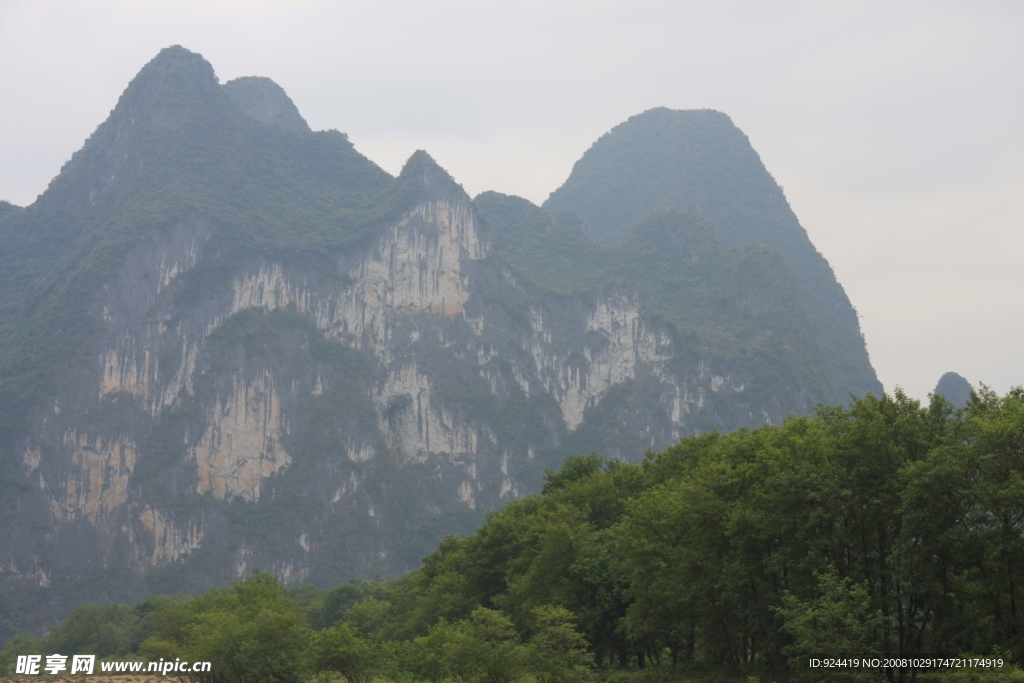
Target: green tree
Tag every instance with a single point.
(559, 651)
(337, 602)
(839, 622)
(675, 547)
(340, 649)
(253, 632)
(486, 648)
(19, 644)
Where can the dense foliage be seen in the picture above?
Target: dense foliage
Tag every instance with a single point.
(698, 160)
(740, 305)
(885, 527)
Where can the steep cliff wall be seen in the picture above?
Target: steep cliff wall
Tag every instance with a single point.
(417, 377)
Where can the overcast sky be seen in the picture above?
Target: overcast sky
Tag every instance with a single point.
(895, 129)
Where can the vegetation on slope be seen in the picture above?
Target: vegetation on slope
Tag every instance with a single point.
(174, 148)
(740, 304)
(697, 160)
(884, 527)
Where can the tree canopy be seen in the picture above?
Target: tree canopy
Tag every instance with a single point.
(884, 528)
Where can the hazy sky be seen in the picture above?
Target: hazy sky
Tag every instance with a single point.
(896, 129)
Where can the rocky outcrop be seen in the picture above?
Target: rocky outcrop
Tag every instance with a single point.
(186, 405)
(243, 441)
(96, 484)
(323, 417)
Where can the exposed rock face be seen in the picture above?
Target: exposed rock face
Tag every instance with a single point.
(331, 417)
(242, 444)
(97, 482)
(469, 381)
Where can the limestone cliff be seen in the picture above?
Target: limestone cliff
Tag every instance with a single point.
(249, 398)
(320, 390)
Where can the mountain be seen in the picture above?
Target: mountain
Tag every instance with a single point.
(739, 305)
(228, 341)
(955, 388)
(699, 161)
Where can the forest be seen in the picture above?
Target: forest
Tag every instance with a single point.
(884, 527)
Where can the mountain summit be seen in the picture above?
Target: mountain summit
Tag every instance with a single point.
(228, 342)
(699, 161)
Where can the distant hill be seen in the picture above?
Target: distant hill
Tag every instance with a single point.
(955, 388)
(697, 160)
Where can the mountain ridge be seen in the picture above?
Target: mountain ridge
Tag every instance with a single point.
(228, 343)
